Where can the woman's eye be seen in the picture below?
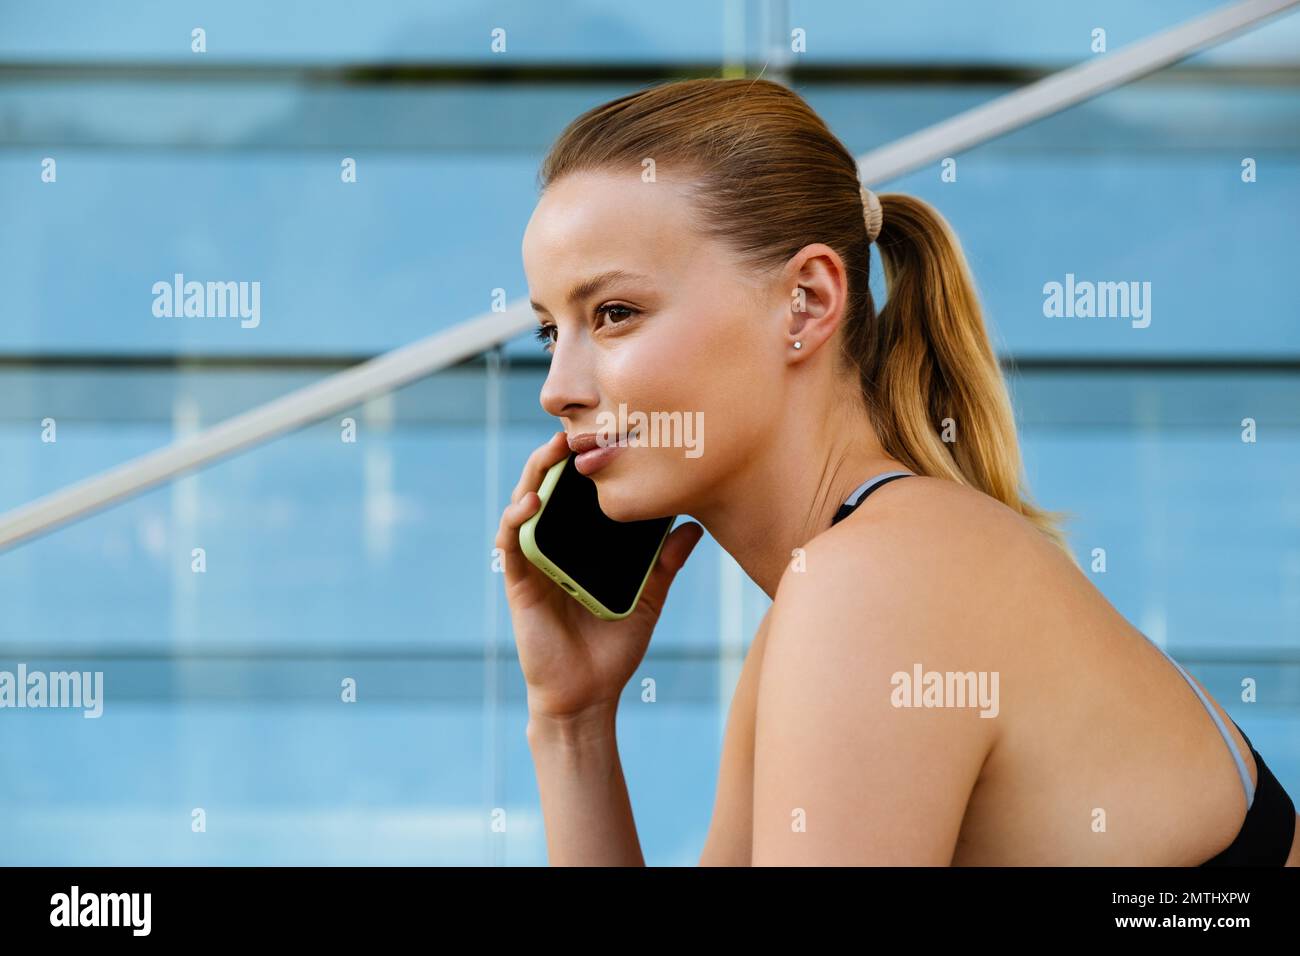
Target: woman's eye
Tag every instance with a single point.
(606, 309)
(546, 333)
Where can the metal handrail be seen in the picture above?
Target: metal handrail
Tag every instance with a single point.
(1062, 90)
(301, 407)
(467, 339)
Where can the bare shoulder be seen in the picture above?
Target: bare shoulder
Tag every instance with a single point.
(913, 578)
(919, 541)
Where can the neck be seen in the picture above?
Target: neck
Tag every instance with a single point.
(788, 493)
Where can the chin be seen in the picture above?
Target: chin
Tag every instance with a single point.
(624, 507)
(627, 498)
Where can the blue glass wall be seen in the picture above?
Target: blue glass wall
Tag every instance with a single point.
(370, 560)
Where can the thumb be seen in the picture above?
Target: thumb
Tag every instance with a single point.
(681, 542)
(679, 546)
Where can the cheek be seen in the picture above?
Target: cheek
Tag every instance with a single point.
(740, 388)
(667, 368)
(718, 367)
(711, 366)
(693, 356)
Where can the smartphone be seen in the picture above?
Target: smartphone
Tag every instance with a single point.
(603, 564)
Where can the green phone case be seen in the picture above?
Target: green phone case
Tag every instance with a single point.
(528, 542)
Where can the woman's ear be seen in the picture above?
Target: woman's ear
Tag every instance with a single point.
(818, 295)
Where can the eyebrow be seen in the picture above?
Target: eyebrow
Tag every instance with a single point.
(589, 287)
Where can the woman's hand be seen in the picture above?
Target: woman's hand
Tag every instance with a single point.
(572, 660)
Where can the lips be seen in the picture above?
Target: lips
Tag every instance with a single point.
(586, 441)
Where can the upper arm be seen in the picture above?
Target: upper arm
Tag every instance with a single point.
(842, 776)
(730, 828)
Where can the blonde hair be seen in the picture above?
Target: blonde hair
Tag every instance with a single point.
(768, 178)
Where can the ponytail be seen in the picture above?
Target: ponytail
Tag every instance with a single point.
(932, 383)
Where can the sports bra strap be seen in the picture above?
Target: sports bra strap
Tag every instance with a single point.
(861, 491)
(1218, 722)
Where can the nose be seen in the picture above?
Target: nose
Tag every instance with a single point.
(569, 385)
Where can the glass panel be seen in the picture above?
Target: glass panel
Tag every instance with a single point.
(1012, 34)
(431, 230)
(248, 33)
(1143, 185)
(322, 559)
(325, 559)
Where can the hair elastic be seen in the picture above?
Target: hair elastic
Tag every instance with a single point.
(872, 213)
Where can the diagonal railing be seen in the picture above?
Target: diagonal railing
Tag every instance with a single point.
(474, 336)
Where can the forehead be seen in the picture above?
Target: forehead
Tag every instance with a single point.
(589, 222)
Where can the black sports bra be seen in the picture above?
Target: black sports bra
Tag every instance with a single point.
(1269, 828)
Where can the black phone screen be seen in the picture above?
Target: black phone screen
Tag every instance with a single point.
(608, 558)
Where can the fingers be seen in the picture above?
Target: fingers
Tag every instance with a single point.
(524, 502)
(681, 542)
(535, 468)
(511, 519)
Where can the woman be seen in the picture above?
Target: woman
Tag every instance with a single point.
(703, 247)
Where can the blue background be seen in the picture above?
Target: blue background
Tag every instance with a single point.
(372, 560)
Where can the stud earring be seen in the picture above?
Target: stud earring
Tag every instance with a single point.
(798, 344)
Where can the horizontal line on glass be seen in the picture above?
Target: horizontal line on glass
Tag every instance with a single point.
(825, 72)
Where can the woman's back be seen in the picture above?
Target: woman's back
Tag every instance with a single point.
(1107, 756)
